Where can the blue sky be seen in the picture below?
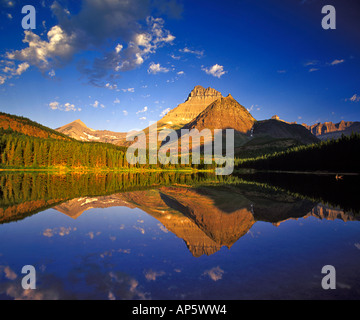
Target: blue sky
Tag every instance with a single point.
(119, 65)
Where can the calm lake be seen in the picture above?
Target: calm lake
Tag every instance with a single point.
(179, 236)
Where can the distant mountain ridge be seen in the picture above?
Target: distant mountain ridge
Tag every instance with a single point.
(79, 131)
(330, 130)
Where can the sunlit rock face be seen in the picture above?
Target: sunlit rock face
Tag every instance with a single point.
(224, 113)
(198, 100)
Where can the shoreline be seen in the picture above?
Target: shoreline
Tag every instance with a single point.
(103, 170)
(189, 170)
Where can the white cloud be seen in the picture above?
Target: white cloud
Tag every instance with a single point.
(180, 73)
(143, 110)
(46, 55)
(354, 98)
(215, 274)
(152, 275)
(125, 112)
(111, 86)
(165, 112)
(69, 107)
(97, 104)
(22, 68)
(216, 70)
(65, 107)
(142, 118)
(11, 70)
(198, 53)
(54, 105)
(91, 28)
(117, 101)
(175, 57)
(251, 108)
(155, 68)
(129, 90)
(311, 63)
(118, 48)
(335, 62)
(313, 69)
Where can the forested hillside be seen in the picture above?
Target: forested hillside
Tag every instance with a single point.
(22, 151)
(341, 155)
(29, 127)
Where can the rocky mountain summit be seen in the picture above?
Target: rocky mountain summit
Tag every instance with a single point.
(224, 113)
(330, 130)
(198, 100)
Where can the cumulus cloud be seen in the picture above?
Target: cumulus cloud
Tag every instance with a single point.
(155, 68)
(215, 274)
(10, 70)
(46, 55)
(97, 104)
(55, 105)
(216, 70)
(129, 23)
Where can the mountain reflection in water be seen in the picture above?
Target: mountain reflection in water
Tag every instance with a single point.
(206, 212)
(208, 218)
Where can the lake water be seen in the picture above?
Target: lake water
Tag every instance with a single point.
(179, 236)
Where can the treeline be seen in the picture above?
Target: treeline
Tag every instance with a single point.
(341, 155)
(19, 151)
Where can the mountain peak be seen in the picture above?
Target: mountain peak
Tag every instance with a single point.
(198, 100)
(223, 113)
(200, 91)
(230, 96)
(78, 121)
